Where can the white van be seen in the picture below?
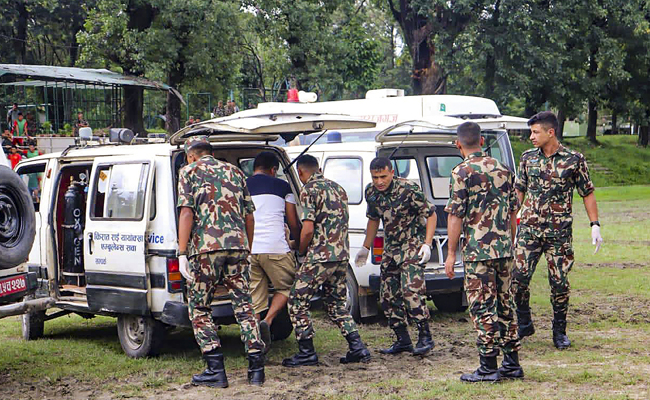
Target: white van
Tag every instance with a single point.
(422, 151)
(106, 224)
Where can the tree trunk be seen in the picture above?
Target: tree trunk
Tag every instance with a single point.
(561, 116)
(614, 122)
(643, 135)
(133, 105)
(20, 44)
(591, 122)
(490, 59)
(426, 77)
(173, 113)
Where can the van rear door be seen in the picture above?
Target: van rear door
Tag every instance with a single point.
(119, 204)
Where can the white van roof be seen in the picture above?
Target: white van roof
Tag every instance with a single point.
(387, 111)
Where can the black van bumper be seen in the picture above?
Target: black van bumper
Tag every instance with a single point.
(436, 283)
(175, 313)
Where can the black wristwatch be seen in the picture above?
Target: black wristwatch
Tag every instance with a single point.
(592, 223)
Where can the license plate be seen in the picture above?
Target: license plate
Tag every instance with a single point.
(12, 285)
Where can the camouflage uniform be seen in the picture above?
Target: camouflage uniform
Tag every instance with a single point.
(218, 249)
(482, 194)
(326, 263)
(403, 210)
(546, 220)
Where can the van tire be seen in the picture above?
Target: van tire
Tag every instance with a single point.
(140, 336)
(352, 299)
(33, 325)
(17, 219)
(281, 327)
(449, 302)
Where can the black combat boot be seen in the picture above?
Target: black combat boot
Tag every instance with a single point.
(486, 372)
(358, 351)
(425, 342)
(560, 339)
(510, 367)
(215, 373)
(256, 368)
(402, 344)
(306, 355)
(524, 321)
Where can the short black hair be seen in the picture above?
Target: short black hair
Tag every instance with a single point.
(545, 118)
(469, 134)
(201, 148)
(307, 162)
(266, 161)
(379, 163)
(20, 113)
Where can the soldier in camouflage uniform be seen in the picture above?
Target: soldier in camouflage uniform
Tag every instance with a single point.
(403, 209)
(547, 176)
(216, 218)
(324, 242)
(483, 204)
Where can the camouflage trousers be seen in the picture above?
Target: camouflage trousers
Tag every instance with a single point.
(403, 292)
(559, 257)
(232, 268)
(491, 305)
(309, 277)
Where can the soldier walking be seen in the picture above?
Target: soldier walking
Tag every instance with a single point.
(402, 208)
(324, 242)
(483, 205)
(216, 212)
(547, 176)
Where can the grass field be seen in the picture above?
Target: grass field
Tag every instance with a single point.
(609, 324)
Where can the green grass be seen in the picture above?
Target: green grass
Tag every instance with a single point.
(628, 163)
(609, 324)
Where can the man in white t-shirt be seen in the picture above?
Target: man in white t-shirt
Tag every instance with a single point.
(271, 256)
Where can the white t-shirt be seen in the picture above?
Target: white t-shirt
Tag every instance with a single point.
(270, 196)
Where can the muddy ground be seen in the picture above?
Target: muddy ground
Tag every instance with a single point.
(454, 353)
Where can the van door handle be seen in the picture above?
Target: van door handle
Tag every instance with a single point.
(91, 243)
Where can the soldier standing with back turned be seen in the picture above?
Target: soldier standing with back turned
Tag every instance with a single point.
(216, 213)
(324, 242)
(547, 176)
(483, 204)
(409, 224)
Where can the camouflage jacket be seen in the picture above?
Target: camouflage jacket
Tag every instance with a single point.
(326, 203)
(216, 191)
(482, 193)
(548, 183)
(403, 210)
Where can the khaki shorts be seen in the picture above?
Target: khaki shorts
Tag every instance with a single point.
(280, 269)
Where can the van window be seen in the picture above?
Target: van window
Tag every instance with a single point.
(32, 175)
(407, 168)
(440, 170)
(347, 172)
(246, 165)
(120, 191)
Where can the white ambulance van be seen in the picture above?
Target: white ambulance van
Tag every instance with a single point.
(106, 224)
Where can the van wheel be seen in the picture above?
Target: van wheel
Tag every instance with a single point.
(352, 298)
(281, 327)
(140, 336)
(449, 302)
(17, 219)
(33, 325)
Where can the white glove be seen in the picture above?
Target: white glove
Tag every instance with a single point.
(596, 239)
(425, 253)
(184, 268)
(362, 257)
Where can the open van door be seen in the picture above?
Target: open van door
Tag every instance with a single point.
(117, 214)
